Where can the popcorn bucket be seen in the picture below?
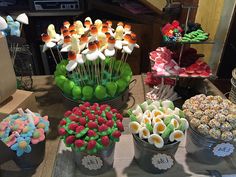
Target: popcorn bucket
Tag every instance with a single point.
(95, 164)
(207, 150)
(152, 159)
(33, 159)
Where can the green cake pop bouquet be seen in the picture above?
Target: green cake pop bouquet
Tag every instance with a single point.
(92, 71)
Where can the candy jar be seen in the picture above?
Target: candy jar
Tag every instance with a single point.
(157, 128)
(92, 131)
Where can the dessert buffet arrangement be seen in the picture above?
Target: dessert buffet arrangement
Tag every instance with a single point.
(96, 70)
(92, 70)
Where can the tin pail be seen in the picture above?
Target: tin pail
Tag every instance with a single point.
(152, 159)
(95, 164)
(207, 150)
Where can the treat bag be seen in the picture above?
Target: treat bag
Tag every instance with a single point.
(6, 153)
(7, 74)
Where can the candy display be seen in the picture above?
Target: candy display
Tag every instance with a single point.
(91, 128)
(174, 33)
(158, 122)
(151, 80)
(164, 65)
(195, 36)
(92, 71)
(19, 131)
(212, 116)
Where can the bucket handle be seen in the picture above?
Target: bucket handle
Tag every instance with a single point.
(132, 84)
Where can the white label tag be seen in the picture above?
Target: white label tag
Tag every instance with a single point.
(223, 149)
(162, 161)
(92, 162)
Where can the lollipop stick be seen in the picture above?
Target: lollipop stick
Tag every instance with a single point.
(59, 54)
(123, 54)
(124, 62)
(53, 55)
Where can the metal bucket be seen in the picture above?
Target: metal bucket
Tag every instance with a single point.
(95, 164)
(207, 150)
(152, 159)
(33, 159)
(6, 153)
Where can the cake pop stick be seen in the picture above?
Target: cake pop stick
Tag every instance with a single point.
(53, 56)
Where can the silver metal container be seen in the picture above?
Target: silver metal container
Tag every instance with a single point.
(207, 150)
(95, 164)
(152, 159)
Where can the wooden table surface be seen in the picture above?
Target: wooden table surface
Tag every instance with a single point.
(52, 103)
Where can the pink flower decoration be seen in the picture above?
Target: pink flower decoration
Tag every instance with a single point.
(38, 136)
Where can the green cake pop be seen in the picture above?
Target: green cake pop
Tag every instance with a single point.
(60, 81)
(61, 69)
(68, 86)
(76, 92)
(121, 85)
(87, 92)
(111, 88)
(100, 92)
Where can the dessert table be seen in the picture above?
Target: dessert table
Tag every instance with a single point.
(59, 160)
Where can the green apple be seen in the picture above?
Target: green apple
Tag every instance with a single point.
(121, 85)
(64, 62)
(100, 92)
(60, 79)
(111, 88)
(87, 92)
(68, 86)
(76, 92)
